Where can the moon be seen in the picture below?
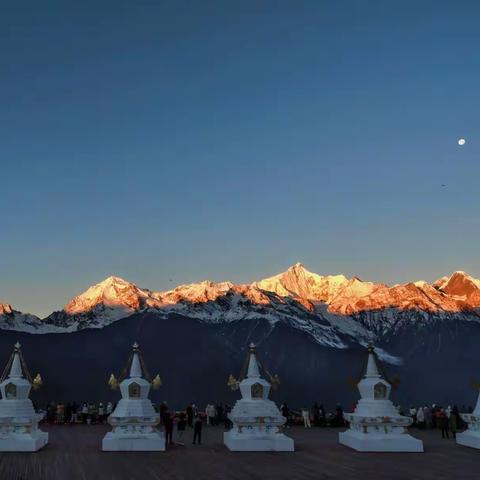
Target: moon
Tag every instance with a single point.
(461, 141)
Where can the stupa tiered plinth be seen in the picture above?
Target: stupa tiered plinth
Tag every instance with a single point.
(134, 420)
(257, 422)
(19, 430)
(471, 436)
(376, 425)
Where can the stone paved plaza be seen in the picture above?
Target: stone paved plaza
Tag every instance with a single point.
(74, 453)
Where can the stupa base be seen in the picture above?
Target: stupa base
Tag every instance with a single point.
(379, 442)
(24, 443)
(149, 442)
(469, 438)
(277, 442)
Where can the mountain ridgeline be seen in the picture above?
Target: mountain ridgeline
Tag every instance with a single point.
(310, 329)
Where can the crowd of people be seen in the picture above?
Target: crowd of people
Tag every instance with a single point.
(316, 416)
(97, 413)
(193, 418)
(447, 420)
(72, 412)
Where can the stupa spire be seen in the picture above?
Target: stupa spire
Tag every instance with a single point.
(135, 367)
(16, 367)
(253, 371)
(372, 369)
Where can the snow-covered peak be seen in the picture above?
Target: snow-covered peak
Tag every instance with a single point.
(460, 284)
(195, 292)
(297, 281)
(440, 282)
(5, 309)
(113, 292)
(11, 319)
(206, 291)
(297, 295)
(408, 296)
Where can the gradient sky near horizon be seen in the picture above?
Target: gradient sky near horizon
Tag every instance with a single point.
(169, 142)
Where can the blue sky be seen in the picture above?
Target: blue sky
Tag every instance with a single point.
(169, 142)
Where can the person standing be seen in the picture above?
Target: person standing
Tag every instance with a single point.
(428, 416)
(442, 422)
(453, 421)
(197, 430)
(68, 413)
(189, 411)
(211, 413)
(181, 425)
(168, 425)
(286, 413)
(306, 418)
(84, 412)
(420, 418)
(74, 418)
(51, 413)
(219, 416)
(163, 411)
(339, 421)
(109, 408)
(413, 415)
(60, 413)
(93, 412)
(101, 413)
(316, 414)
(323, 416)
(227, 423)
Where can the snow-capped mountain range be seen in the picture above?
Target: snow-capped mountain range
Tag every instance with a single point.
(333, 310)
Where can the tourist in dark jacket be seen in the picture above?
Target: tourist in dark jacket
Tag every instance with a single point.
(453, 421)
(197, 430)
(189, 411)
(316, 414)
(74, 417)
(163, 411)
(441, 421)
(168, 425)
(181, 425)
(286, 413)
(226, 421)
(339, 421)
(220, 413)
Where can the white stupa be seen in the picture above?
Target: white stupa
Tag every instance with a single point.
(471, 436)
(257, 422)
(376, 425)
(134, 420)
(19, 430)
